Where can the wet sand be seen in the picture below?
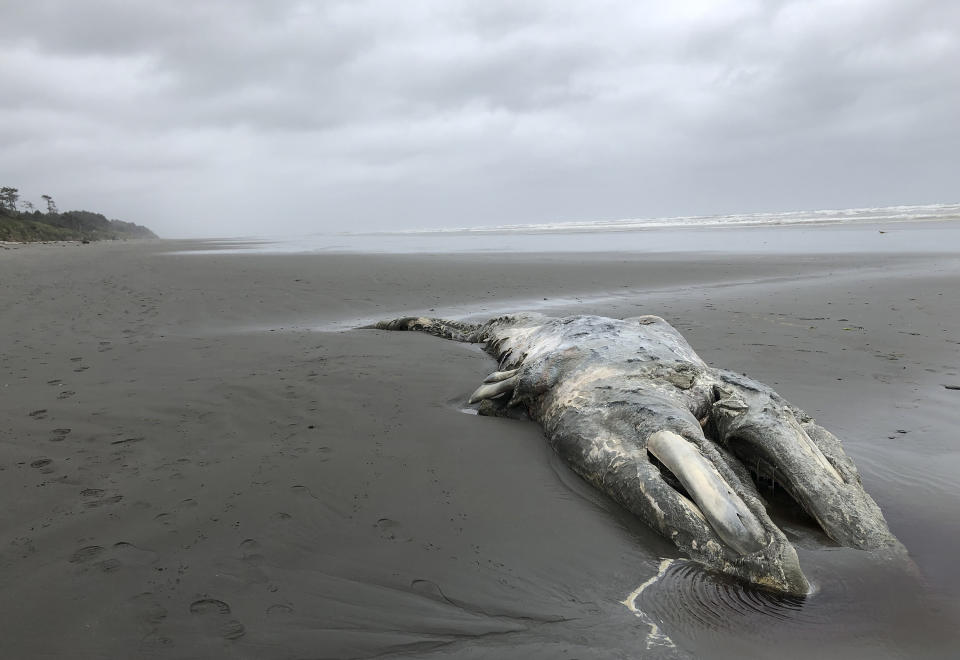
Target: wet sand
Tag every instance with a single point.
(198, 458)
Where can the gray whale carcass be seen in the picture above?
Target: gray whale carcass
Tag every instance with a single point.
(631, 407)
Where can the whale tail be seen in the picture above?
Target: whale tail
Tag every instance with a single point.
(455, 330)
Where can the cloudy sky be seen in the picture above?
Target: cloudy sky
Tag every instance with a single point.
(238, 117)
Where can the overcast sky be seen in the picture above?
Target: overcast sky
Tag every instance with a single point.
(237, 117)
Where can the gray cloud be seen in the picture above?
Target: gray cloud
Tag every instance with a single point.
(208, 118)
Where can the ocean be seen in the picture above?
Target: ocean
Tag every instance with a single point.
(881, 229)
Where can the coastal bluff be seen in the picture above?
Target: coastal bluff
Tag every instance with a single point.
(28, 227)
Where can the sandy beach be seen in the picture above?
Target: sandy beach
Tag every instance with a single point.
(200, 457)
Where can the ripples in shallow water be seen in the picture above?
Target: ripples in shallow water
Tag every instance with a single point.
(686, 594)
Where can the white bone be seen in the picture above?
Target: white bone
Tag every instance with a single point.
(491, 390)
(497, 376)
(729, 516)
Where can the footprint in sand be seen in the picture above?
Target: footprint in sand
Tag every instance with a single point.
(111, 559)
(109, 565)
(214, 616)
(250, 551)
(58, 435)
(66, 394)
(104, 501)
(148, 608)
(39, 414)
(86, 554)
(130, 555)
(44, 464)
(390, 530)
(245, 566)
(119, 555)
(149, 614)
(209, 606)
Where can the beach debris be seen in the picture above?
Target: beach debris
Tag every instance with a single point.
(691, 449)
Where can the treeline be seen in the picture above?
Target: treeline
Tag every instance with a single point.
(20, 221)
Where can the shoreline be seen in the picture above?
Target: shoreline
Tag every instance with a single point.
(880, 238)
(193, 469)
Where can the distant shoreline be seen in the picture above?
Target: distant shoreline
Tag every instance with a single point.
(13, 245)
(928, 236)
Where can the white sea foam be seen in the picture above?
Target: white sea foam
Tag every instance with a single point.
(887, 214)
(655, 637)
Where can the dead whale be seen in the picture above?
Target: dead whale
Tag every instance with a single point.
(632, 409)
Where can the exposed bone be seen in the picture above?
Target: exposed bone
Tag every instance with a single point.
(814, 451)
(497, 376)
(490, 390)
(723, 508)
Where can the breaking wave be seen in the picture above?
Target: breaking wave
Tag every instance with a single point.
(912, 213)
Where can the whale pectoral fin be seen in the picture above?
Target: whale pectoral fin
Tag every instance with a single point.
(497, 376)
(493, 389)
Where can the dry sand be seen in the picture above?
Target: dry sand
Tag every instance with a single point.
(198, 461)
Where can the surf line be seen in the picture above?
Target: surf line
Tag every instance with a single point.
(655, 637)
